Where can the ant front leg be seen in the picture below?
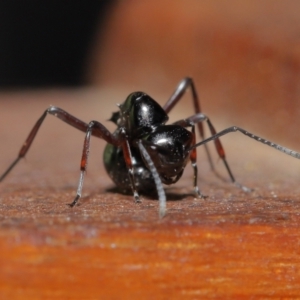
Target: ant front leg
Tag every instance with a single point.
(159, 187)
(184, 84)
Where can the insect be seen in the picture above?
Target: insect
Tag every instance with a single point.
(144, 152)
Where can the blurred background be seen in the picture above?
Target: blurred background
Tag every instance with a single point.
(243, 55)
(47, 43)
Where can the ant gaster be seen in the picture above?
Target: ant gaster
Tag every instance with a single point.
(144, 152)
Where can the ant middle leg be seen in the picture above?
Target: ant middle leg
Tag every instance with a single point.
(196, 119)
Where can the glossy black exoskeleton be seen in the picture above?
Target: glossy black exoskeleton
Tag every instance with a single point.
(168, 145)
(144, 151)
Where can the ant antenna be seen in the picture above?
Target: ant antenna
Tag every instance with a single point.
(159, 187)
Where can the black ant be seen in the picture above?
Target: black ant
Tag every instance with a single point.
(144, 152)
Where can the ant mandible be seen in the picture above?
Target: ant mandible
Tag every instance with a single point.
(144, 152)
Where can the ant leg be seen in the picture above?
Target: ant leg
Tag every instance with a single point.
(255, 137)
(128, 161)
(97, 129)
(220, 150)
(61, 114)
(193, 158)
(67, 118)
(184, 84)
(190, 122)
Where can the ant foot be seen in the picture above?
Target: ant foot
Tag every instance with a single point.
(136, 197)
(74, 201)
(199, 194)
(244, 188)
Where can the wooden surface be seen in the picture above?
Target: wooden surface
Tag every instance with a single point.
(230, 246)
